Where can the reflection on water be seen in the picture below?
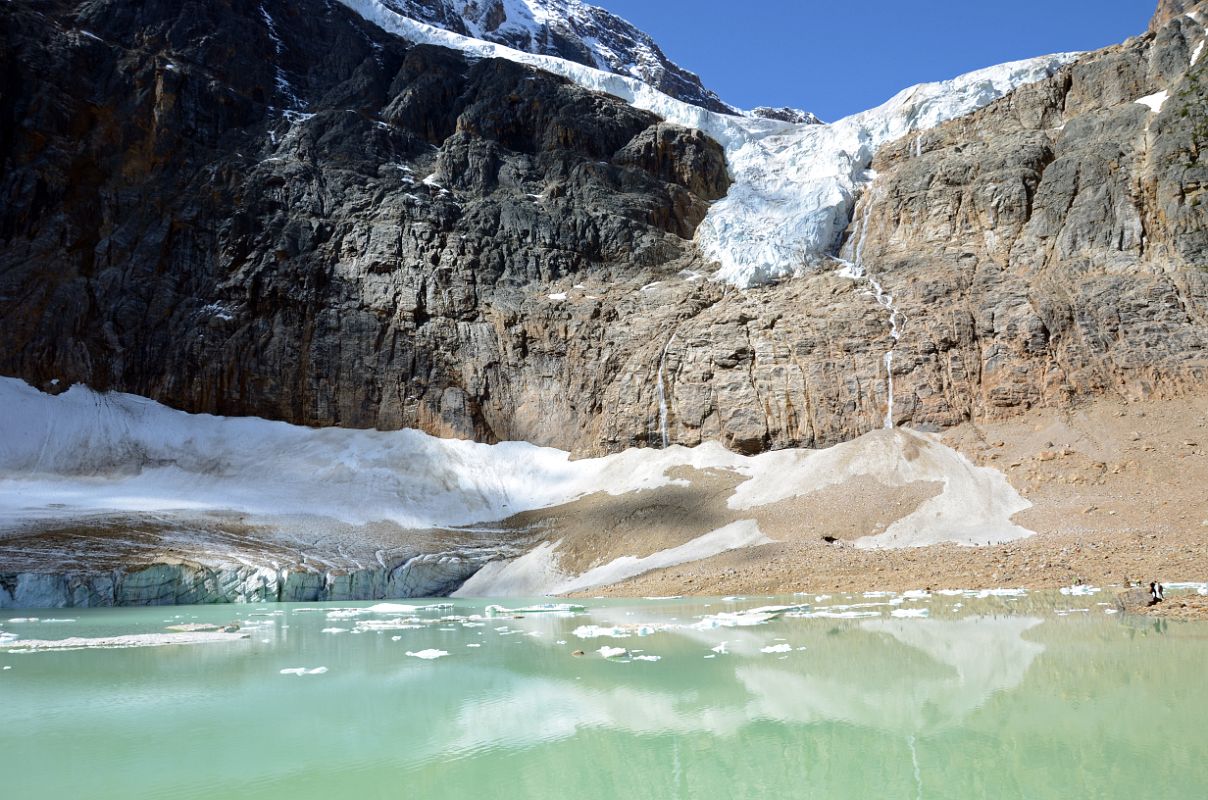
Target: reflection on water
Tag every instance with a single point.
(995, 698)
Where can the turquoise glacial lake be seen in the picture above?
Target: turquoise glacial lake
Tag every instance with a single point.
(953, 696)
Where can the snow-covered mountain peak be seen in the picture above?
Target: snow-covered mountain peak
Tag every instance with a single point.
(567, 29)
(783, 114)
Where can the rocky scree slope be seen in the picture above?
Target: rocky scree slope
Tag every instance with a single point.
(392, 236)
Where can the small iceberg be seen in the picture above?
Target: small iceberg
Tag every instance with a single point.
(429, 655)
(304, 671)
(540, 608)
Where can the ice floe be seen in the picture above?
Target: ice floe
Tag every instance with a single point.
(304, 671)
(429, 654)
(122, 642)
(1080, 590)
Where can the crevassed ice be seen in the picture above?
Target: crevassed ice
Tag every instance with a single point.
(794, 186)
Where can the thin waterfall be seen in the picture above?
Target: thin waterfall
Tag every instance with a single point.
(918, 773)
(857, 271)
(662, 392)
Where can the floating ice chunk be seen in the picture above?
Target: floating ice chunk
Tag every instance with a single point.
(429, 654)
(304, 671)
(22, 620)
(744, 619)
(647, 658)
(400, 608)
(916, 594)
(473, 644)
(598, 631)
(824, 614)
(910, 612)
(984, 593)
(721, 649)
(777, 648)
(122, 642)
(612, 652)
(1081, 590)
(540, 608)
(334, 630)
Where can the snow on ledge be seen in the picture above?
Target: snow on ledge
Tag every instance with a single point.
(794, 186)
(1155, 101)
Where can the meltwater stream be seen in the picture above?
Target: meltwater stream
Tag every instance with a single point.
(662, 395)
(911, 696)
(856, 270)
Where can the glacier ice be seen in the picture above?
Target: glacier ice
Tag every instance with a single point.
(794, 185)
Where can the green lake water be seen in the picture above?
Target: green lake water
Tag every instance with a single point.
(1043, 696)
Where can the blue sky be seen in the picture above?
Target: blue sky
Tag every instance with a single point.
(836, 58)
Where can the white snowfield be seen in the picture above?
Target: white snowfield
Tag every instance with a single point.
(794, 186)
(537, 573)
(82, 453)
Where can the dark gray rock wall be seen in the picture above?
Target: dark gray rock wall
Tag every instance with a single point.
(200, 209)
(278, 210)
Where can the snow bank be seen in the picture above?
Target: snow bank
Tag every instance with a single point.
(536, 572)
(81, 453)
(1154, 101)
(974, 507)
(794, 185)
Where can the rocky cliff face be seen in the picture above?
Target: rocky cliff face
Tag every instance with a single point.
(199, 210)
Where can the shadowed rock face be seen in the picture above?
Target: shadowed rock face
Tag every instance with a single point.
(226, 207)
(176, 224)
